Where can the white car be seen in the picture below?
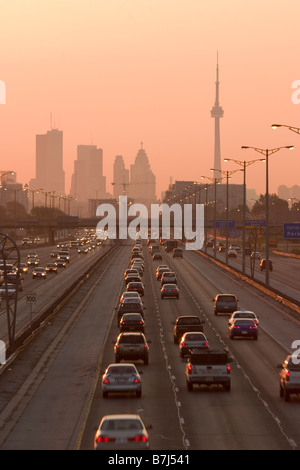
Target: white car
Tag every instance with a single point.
(243, 314)
(255, 255)
(192, 340)
(121, 378)
(130, 295)
(121, 432)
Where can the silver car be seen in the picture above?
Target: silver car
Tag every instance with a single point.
(121, 432)
(192, 340)
(132, 346)
(121, 378)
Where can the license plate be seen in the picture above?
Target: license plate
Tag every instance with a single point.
(209, 379)
(244, 332)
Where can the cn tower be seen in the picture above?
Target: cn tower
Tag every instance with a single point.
(216, 113)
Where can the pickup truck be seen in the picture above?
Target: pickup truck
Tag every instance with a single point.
(185, 323)
(290, 376)
(211, 367)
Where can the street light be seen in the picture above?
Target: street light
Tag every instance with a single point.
(215, 181)
(267, 153)
(244, 164)
(291, 128)
(227, 174)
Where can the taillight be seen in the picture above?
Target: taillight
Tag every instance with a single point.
(106, 381)
(189, 369)
(138, 438)
(228, 369)
(105, 439)
(136, 381)
(287, 375)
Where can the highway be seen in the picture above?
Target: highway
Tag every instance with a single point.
(51, 393)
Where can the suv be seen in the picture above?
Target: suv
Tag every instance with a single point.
(131, 346)
(225, 303)
(168, 277)
(263, 263)
(177, 253)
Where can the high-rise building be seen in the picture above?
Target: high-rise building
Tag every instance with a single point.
(216, 113)
(142, 187)
(50, 176)
(121, 177)
(88, 181)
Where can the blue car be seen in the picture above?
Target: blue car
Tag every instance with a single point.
(243, 328)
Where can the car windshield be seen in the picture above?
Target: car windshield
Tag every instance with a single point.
(121, 425)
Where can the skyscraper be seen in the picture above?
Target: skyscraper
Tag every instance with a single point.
(142, 188)
(121, 177)
(50, 175)
(216, 113)
(88, 181)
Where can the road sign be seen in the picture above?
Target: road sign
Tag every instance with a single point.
(291, 231)
(31, 297)
(225, 223)
(255, 223)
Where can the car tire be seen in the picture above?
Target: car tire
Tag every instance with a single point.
(146, 361)
(117, 359)
(189, 386)
(286, 395)
(104, 394)
(139, 393)
(281, 391)
(215, 312)
(227, 387)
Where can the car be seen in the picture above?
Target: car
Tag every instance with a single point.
(130, 271)
(14, 278)
(32, 254)
(131, 345)
(139, 269)
(32, 262)
(289, 376)
(65, 255)
(177, 253)
(39, 272)
(192, 340)
(83, 249)
(255, 255)
(243, 314)
(51, 268)
(160, 271)
(168, 277)
(121, 432)
(129, 295)
(243, 327)
(23, 268)
(237, 248)
(169, 290)
(8, 290)
(129, 306)
(60, 263)
(225, 303)
(137, 261)
(121, 378)
(137, 287)
(222, 249)
(132, 322)
(232, 254)
(156, 256)
(263, 264)
(54, 254)
(132, 278)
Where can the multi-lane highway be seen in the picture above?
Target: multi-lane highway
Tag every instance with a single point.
(51, 394)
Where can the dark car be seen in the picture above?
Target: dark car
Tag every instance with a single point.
(130, 271)
(131, 346)
(60, 263)
(51, 268)
(169, 290)
(243, 327)
(129, 307)
(156, 256)
(132, 322)
(263, 264)
(225, 303)
(137, 287)
(168, 277)
(177, 253)
(132, 278)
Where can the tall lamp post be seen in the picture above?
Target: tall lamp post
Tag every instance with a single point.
(227, 175)
(244, 165)
(215, 181)
(267, 153)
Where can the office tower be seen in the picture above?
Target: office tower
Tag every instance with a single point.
(142, 187)
(216, 113)
(50, 176)
(88, 181)
(121, 177)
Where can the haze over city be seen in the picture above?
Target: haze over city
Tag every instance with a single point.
(118, 73)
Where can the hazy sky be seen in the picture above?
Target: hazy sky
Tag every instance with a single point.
(118, 72)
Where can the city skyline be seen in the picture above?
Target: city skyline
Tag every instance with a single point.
(111, 78)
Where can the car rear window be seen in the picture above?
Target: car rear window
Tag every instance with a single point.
(131, 339)
(121, 425)
(189, 321)
(226, 298)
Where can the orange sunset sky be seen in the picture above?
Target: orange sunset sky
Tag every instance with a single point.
(118, 72)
